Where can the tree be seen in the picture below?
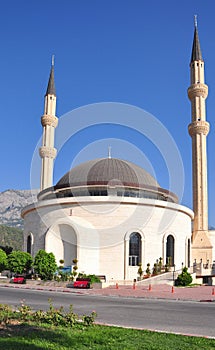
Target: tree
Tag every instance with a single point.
(3, 260)
(6, 249)
(19, 262)
(184, 279)
(45, 265)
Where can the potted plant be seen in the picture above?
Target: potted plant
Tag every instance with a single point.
(140, 271)
(155, 269)
(148, 271)
(74, 269)
(160, 264)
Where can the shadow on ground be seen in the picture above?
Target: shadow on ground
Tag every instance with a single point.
(26, 337)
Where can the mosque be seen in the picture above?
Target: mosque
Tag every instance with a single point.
(112, 215)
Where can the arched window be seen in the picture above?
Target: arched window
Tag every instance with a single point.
(188, 253)
(29, 244)
(135, 245)
(170, 248)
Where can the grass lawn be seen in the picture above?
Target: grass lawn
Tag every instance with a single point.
(35, 337)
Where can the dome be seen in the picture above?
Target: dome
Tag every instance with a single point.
(107, 177)
(107, 171)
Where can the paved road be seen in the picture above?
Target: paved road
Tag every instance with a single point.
(184, 317)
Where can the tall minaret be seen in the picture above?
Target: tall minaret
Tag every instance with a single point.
(198, 130)
(49, 122)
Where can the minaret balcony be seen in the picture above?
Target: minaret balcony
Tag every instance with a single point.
(197, 90)
(50, 120)
(47, 152)
(199, 127)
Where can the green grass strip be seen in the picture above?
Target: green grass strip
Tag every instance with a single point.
(34, 337)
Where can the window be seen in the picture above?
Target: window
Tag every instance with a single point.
(188, 253)
(170, 247)
(135, 249)
(29, 243)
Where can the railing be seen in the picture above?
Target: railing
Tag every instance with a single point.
(203, 269)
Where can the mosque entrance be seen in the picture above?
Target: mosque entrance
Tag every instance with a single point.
(69, 242)
(170, 249)
(61, 239)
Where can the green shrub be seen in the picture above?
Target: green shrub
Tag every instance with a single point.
(3, 260)
(93, 278)
(19, 262)
(45, 265)
(88, 320)
(184, 279)
(70, 317)
(53, 316)
(6, 314)
(63, 276)
(25, 312)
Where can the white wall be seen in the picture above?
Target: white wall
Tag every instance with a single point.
(102, 227)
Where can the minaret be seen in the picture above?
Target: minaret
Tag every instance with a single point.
(198, 130)
(49, 122)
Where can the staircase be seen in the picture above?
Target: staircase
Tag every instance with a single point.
(164, 278)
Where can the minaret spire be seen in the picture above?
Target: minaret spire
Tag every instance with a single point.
(196, 50)
(49, 122)
(195, 21)
(52, 60)
(51, 84)
(198, 130)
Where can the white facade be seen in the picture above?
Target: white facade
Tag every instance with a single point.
(97, 230)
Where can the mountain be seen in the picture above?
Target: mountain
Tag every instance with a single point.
(11, 204)
(11, 237)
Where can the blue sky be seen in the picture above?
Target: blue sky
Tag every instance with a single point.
(129, 52)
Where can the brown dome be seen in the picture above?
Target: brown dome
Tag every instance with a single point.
(107, 171)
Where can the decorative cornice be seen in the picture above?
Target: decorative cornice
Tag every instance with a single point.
(48, 152)
(49, 120)
(197, 90)
(199, 127)
(89, 200)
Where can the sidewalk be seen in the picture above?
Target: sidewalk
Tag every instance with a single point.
(161, 291)
(158, 291)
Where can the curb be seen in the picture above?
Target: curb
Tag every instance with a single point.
(176, 297)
